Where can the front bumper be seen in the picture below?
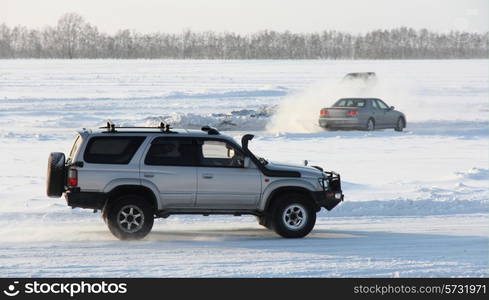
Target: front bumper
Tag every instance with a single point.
(331, 195)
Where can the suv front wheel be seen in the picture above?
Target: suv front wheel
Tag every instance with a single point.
(293, 216)
(130, 217)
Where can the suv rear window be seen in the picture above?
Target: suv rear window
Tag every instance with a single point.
(112, 150)
(171, 152)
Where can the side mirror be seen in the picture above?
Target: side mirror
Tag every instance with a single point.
(230, 152)
(391, 108)
(246, 162)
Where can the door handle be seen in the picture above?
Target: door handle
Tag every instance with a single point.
(149, 175)
(207, 176)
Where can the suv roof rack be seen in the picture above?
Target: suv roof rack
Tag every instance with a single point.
(210, 130)
(111, 128)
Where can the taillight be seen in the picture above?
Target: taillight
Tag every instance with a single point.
(323, 112)
(352, 113)
(72, 177)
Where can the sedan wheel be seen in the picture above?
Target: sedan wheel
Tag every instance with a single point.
(370, 125)
(400, 125)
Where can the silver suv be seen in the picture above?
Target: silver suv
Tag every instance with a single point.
(136, 174)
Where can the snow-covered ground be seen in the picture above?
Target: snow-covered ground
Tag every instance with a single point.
(416, 202)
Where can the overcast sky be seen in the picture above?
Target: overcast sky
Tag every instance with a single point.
(245, 16)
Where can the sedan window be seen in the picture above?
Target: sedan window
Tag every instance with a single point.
(350, 103)
(374, 104)
(381, 104)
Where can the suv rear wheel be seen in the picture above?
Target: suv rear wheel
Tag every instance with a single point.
(130, 217)
(293, 216)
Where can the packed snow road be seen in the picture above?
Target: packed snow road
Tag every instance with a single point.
(416, 202)
(454, 245)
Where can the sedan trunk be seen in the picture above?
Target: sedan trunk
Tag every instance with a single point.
(337, 112)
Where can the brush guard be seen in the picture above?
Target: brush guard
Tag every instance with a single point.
(331, 195)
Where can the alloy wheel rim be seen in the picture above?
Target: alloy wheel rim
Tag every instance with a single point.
(130, 218)
(294, 217)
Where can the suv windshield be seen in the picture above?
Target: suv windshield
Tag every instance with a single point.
(262, 160)
(350, 103)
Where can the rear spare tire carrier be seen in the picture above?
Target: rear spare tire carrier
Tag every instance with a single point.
(56, 176)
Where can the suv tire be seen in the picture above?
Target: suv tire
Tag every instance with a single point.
(55, 185)
(293, 216)
(130, 217)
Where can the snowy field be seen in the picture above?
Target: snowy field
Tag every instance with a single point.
(416, 202)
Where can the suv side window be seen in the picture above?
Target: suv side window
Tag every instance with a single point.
(75, 147)
(220, 154)
(171, 152)
(381, 104)
(112, 150)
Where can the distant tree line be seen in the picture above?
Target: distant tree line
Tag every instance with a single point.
(73, 37)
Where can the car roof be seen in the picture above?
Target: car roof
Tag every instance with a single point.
(358, 98)
(361, 74)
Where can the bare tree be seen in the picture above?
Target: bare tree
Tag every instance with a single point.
(73, 37)
(69, 31)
